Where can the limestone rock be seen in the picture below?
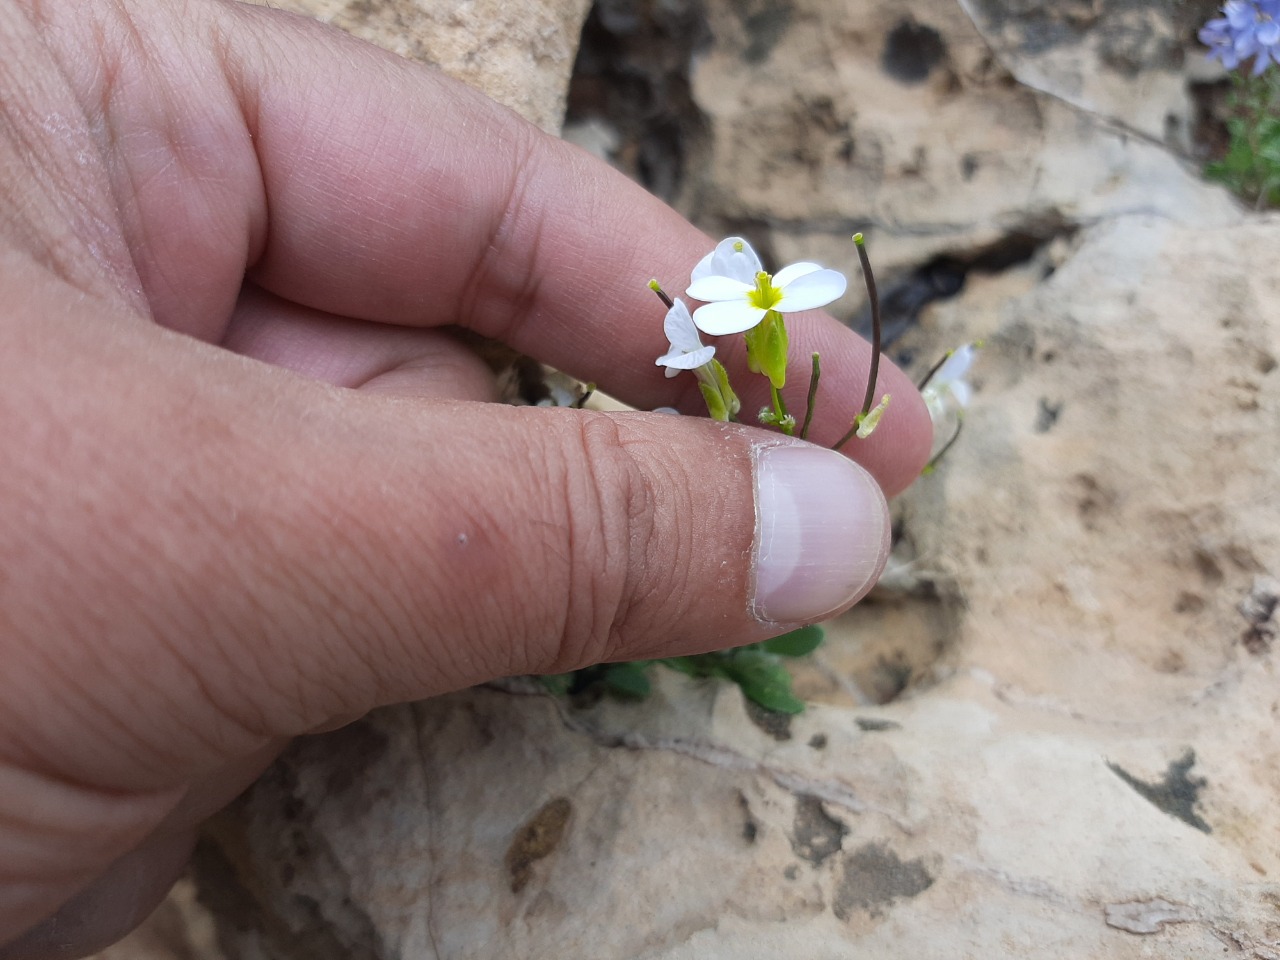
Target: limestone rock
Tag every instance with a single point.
(520, 54)
(933, 137)
(1120, 60)
(1087, 768)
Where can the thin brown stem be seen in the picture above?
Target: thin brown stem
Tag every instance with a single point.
(876, 326)
(813, 393)
(933, 371)
(932, 464)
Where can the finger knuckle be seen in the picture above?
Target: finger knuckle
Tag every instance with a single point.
(612, 506)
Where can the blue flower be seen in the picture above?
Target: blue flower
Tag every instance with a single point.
(1247, 28)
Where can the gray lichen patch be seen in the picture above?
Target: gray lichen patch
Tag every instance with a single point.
(1176, 794)
(874, 877)
(816, 835)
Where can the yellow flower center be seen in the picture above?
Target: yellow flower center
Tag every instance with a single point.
(765, 296)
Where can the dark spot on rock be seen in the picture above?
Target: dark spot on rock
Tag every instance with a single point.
(1176, 794)
(776, 725)
(876, 725)
(350, 751)
(911, 50)
(873, 878)
(968, 166)
(1094, 502)
(816, 835)
(765, 22)
(818, 741)
(750, 828)
(1188, 602)
(791, 872)
(1207, 566)
(889, 677)
(1258, 608)
(1265, 363)
(539, 836)
(1046, 415)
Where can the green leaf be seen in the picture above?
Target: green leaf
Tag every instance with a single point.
(557, 683)
(764, 680)
(797, 643)
(683, 665)
(627, 680)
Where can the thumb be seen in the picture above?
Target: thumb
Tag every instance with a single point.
(216, 554)
(284, 553)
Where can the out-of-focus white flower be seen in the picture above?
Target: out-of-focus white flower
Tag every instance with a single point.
(738, 293)
(687, 351)
(947, 392)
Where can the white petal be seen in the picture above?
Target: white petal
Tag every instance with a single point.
(679, 328)
(727, 261)
(733, 316)
(703, 269)
(712, 289)
(681, 360)
(815, 289)
(794, 272)
(960, 392)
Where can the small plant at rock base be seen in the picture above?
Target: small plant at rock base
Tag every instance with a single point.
(1249, 30)
(741, 298)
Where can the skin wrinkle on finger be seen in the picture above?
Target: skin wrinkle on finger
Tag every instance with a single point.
(59, 218)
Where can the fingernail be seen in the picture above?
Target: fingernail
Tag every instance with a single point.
(822, 532)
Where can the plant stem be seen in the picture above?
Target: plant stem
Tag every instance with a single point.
(933, 371)
(933, 463)
(813, 393)
(876, 328)
(857, 422)
(662, 294)
(780, 409)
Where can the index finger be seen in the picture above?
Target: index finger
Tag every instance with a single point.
(390, 193)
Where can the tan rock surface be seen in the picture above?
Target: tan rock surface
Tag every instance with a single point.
(1089, 767)
(828, 117)
(521, 54)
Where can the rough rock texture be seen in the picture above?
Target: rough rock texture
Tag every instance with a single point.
(1089, 767)
(944, 131)
(1053, 732)
(518, 53)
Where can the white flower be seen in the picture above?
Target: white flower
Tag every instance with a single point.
(738, 294)
(687, 351)
(948, 391)
(732, 257)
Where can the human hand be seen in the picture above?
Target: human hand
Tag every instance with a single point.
(248, 490)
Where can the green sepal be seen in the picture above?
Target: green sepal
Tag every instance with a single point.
(767, 345)
(731, 402)
(715, 403)
(797, 643)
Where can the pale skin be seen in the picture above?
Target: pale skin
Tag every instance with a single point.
(250, 485)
